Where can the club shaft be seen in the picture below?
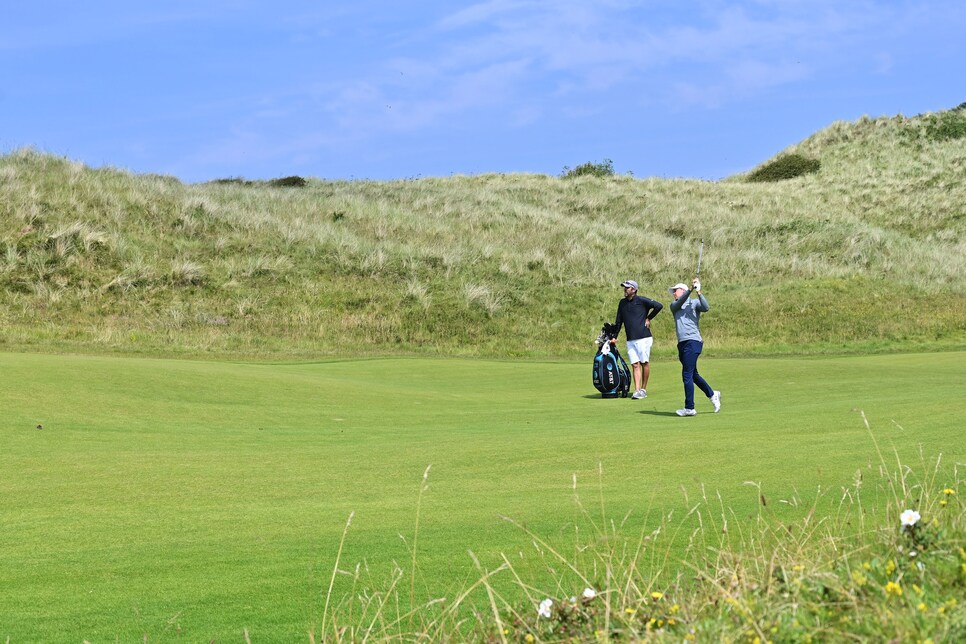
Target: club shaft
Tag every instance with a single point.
(700, 253)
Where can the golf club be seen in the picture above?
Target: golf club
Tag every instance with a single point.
(697, 273)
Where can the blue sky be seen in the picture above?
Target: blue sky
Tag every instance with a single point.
(213, 89)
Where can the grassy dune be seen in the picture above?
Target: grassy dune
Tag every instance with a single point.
(866, 254)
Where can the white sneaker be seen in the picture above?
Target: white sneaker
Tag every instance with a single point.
(686, 412)
(716, 401)
(640, 393)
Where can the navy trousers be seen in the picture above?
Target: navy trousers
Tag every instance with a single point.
(688, 353)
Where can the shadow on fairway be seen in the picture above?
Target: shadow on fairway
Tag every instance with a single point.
(654, 412)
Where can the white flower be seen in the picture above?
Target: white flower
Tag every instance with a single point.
(589, 593)
(909, 518)
(545, 606)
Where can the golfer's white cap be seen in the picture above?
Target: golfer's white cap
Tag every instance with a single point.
(630, 283)
(677, 286)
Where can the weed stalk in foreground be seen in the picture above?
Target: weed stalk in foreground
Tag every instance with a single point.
(845, 571)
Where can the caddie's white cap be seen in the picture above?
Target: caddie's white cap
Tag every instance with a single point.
(630, 283)
(677, 286)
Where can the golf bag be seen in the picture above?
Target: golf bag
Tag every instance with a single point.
(612, 378)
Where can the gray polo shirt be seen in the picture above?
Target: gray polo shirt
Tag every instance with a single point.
(687, 314)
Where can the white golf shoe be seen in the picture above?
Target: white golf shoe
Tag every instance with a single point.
(686, 412)
(639, 394)
(716, 401)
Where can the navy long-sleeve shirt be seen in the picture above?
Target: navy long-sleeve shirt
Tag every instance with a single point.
(631, 314)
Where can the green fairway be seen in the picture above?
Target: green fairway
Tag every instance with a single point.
(165, 498)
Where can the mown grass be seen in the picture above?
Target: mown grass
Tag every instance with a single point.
(195, 500)
(863, 255)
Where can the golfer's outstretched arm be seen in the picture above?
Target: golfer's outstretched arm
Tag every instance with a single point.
(702, 304)
(678, 303)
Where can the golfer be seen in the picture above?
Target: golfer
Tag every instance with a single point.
(635, 313)
(687, 313)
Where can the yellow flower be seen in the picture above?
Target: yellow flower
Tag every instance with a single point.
(671, 621)
(890, 567)
(530, 638)
(675, 609)
(657, 595)
(949, 491)
(629, 611)
(922, 607)
(942, 503)
(798, 568)
(941, 610)
(892, 588)
(867, 565)
(859, 578)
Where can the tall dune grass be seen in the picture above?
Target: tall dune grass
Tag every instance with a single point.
(872, 245)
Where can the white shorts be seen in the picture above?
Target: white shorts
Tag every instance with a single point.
(639, 350)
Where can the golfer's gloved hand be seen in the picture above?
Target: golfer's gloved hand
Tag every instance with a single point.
(696, 284)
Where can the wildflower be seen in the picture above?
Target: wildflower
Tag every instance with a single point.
(589, 593)
(890, 567)
(892, 588)
(949, 491)
(858, 578)
(545, 606)
(529, 638)
(922, 607)
(629, 610)
(867, 565)
(909, 518)
(671, 621)
(675, 609)
(657, 595)
(798, 568)
(943, 503)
